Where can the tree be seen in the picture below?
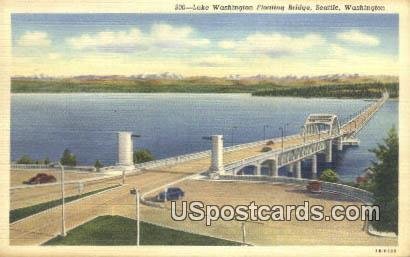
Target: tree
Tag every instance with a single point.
(98, 165)
(46, 160)
(385, 182)
(68, 158)
(25, 159)
(143, 155)
(329, 175)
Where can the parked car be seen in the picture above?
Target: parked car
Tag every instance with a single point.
(41, 178)
(314, 187)
(171, 193)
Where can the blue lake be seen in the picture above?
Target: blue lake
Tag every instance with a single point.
(43, 125)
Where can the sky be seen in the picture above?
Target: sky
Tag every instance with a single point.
(204, 44)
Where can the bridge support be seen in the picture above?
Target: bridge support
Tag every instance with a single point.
(217, 155)
(298, 173)
(328, 151)
(273, 168)
(314, 166)
(340, 144)
(258, 169)
(125, 150)
(291, 168)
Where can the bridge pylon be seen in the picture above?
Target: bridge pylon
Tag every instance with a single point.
(328, 151)
(125, 150)
(217, 165)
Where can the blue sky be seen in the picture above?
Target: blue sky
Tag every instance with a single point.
(205, 44)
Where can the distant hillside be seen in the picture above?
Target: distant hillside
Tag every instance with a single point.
(259, 85)
(364, 90)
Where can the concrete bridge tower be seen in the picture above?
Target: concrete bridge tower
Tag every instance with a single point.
(217, 164)
(125, 150)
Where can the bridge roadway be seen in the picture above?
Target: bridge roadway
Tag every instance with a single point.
(312, 140)
(41, 227)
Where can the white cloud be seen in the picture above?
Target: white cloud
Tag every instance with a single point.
(109, 40)
(357, 37)
(275, 44)
(308, 54)
(164, 35)
(34, 39)
(160, 35)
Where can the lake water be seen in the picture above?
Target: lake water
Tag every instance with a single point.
(43, 125)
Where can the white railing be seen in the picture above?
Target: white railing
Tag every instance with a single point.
(271, 154)
(349, 191)
(30, 166)
(15, 166)
(193, 156)
(173, 160)
(373, 107)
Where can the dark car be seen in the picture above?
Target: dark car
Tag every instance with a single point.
(41, 178)
(172, 193)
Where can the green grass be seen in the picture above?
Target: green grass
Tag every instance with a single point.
(117, 230)
(21, 213)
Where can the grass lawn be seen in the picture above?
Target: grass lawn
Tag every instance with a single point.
(21, 213)
(117, 230)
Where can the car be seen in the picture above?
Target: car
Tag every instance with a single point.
(314, 187)
(171, 193)
(41, 178)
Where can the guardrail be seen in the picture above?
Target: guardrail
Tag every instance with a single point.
(15, 166)
(349, 191)
(69, 182)
(207, 153)
(276, 152)
(30, 166)
(376, 105)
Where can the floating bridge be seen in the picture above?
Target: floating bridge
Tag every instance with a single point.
(318, 135)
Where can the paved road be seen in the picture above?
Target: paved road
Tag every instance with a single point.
(43, 226)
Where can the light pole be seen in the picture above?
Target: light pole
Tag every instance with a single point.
(243, 233)
(63, 233)
(304, 134)
(135, 192)
(281, 130)
(285, 128)
(233, 129)
(157, 133)
(264, 131)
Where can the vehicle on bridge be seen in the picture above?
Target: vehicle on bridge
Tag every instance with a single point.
(172, 193)
(41, 178)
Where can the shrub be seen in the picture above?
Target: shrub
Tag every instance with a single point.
(98, 165)
(143, 155)
(68, 158)
(329, 175)
(25, 159)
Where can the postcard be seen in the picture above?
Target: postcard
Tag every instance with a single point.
(190, 128)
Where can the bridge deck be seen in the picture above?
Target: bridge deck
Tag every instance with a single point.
(348, 129)
(202, 164)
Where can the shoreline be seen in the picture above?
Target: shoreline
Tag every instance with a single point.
(201, 93)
